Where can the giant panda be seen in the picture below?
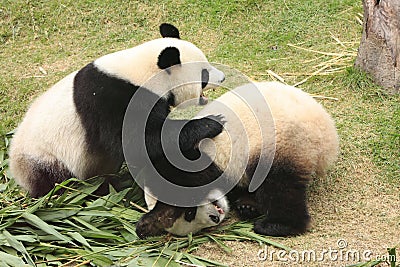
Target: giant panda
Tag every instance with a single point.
(271, 127)
(74, 129)
(181, 221)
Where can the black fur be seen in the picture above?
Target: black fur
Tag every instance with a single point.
(44, 176)
(101, 101)
(282, 199)
(185, 178)
(205, 77)
(168, 30)
(169, 57)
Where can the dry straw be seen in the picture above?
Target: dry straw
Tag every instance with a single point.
(327, 63)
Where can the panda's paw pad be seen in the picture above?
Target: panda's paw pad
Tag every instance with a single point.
(246, 207)
(247, 211)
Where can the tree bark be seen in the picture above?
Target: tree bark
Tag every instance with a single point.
(379, 51)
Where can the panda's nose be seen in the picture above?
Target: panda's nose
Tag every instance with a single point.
(223, 79)
(214, 218)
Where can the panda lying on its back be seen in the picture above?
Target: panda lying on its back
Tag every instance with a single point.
(181, 221)
(75, 128)
(303, 137)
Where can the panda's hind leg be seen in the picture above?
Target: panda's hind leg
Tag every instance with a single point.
(282, 199)
(39, 177)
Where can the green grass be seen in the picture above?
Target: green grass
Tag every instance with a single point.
(251, 36)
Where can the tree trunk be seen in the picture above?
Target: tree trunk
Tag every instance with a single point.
(379, 52)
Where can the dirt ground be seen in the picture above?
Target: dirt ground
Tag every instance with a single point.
(355, 219)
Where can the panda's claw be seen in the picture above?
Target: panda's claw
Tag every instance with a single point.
(246, 207)
(247, 211)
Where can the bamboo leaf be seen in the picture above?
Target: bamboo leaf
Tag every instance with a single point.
(193, 260)
(95, 213)
(128, 214)
(220, 243)
(99, 260)
(39, 223)
(78, 237)
(54, 214)
(142, 261)
(85, 223)
(84, 191)
(10, 260)
(208, 262)
(13, 242)
(101, 235)
(257, 237)
(392, 256)
(26, 238)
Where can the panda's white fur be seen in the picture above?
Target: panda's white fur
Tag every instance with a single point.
(302, 138)
(54, 142)
(119, 64)
(305, 134)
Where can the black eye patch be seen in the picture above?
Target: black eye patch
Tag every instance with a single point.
(205, 76)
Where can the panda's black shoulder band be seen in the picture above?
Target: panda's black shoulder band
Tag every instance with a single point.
(169, 30)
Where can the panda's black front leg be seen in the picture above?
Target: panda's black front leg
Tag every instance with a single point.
(172, 135)
(198, 129)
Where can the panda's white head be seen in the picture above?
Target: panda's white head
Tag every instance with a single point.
(211, 213)
(168, 66)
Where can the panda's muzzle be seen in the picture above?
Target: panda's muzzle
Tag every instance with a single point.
(216, 216)
(217, 77)
(219, 209)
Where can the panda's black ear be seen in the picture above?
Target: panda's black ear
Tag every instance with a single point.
(168, 57)
(168, 30)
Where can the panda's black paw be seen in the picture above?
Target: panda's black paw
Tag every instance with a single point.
(265, 227)
(247, 208)
(212, 126)
(247, 212)
(198, 129)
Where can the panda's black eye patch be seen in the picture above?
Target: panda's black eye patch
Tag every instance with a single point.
(205, 77)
